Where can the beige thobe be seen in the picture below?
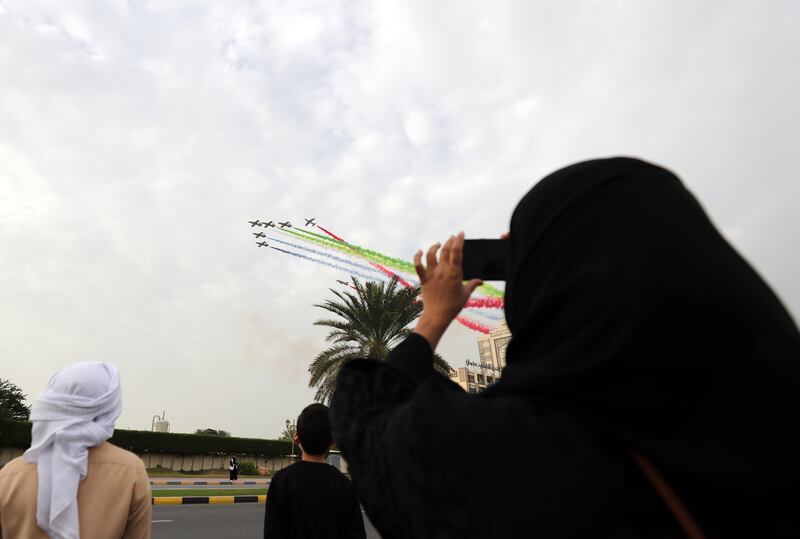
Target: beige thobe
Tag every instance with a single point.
(113, 501)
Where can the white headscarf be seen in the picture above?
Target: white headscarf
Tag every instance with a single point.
(76, 411)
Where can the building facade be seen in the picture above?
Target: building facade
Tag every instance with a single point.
(473, 380)
(492, 346)
(476, 377)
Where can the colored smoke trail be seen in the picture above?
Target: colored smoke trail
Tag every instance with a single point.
(320, 253)
(378, 261)
(323, 262)
(489, 290)
(390, 273)
(385, 271)
(364, 253)
(485, 303)
(326, 242)
(344, 247)
(471, 324)
(385, 260)
(334, 242)
(491, 315)
(331, 234)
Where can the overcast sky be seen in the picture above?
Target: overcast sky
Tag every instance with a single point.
(136, 139)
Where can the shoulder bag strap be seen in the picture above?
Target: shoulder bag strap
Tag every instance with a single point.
(674, 503)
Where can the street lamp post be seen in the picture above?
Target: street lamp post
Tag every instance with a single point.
(291, 427)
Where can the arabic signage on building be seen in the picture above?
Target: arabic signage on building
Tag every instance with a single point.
(482, 365)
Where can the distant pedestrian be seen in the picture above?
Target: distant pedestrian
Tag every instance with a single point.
(72, 483)
(234, 468)
(311, 499)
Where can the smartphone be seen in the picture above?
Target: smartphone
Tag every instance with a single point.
(485, 259)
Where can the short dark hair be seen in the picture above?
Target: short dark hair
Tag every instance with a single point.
(314, 429)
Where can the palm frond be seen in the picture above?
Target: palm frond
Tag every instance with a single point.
(368, 321)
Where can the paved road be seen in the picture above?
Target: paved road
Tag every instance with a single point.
(243, 520)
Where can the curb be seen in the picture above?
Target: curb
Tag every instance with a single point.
(177, 483)
(214, 500)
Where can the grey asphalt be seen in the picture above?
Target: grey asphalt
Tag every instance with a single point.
(242, 520)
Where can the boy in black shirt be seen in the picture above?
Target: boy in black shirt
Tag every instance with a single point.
(311, 499)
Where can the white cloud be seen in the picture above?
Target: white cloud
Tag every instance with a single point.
(136, 139)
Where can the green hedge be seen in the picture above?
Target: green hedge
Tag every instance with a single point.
(18, 434)
(15, 433)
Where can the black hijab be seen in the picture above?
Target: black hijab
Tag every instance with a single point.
(628, 309)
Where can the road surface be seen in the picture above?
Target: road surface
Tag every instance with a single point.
(244, 520)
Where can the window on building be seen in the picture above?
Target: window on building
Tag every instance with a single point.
(471, 377)
(489, 380)
(472, 390)
(500, 348)
(480, 378)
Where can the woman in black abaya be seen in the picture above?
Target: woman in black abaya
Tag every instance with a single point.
(636, 330)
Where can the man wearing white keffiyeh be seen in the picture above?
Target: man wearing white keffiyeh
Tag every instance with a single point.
(71, 419)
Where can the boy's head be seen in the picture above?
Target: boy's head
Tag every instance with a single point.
(314, 430)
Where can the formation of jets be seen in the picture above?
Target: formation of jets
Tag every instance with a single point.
(268, 224)
(265, 224)
(284, 224)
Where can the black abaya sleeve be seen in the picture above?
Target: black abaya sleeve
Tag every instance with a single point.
(378, 433)
(429, 460)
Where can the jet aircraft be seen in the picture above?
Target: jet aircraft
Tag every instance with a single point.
(254, 223)
(268, 224)
(311, 222)
(285, 224)
(262, 244)
(259, 235)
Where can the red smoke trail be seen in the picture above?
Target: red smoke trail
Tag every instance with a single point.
(390, 273)
(331, 234)
(471, 324)
(485, 303)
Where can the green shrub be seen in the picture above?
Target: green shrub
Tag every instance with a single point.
(18, 434)
(15, 433)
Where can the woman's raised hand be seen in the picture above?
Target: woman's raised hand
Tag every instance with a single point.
(443, 290)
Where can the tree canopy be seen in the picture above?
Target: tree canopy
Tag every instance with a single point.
(12, 402)
(370, 320)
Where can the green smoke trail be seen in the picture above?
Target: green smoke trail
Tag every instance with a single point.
(348, 248)
(396, 263)
(368, 254)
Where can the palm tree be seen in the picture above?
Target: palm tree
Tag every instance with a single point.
(372, 320)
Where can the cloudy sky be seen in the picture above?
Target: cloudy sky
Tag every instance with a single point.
(137, 137)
